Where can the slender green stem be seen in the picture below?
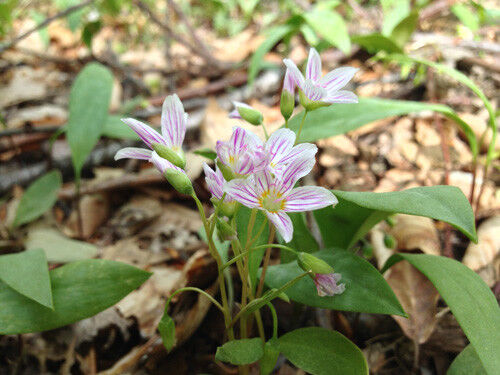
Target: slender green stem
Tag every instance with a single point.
(265, 264)
(193, 289)
(275, 246)
(300, 127)
(286, 123)
(275, 320)
(251, 223)
(241, 255)
(265, 131)
(259, 233)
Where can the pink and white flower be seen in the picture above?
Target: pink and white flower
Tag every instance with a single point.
(235, 113)
(173, 128)
(327, 284)
(276, 195)
(325, 89)
(215, 182)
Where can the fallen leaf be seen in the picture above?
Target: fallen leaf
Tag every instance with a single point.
(416, 233)
(94, 210)
(482, 254)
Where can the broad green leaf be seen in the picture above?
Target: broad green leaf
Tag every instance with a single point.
(366, 290)
(57, 247)
(403, 30)
(394, 12)
(331, 26)
(302, 239)
(270, 357)
(167, 331)
(469, 298)
(88, 111)
(322, 352)
(376, 42)
(274, 35)
(342, 118)
(79, 290)
(38, 198)
(28, 273)
(240, 352)
(357, 212)
(115, 128)
(242, 222)
(466, 363)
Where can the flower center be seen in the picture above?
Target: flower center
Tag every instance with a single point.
(272, 202)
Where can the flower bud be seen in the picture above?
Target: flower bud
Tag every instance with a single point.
(227, 173)
(308, 104)
(225, 208)
(389, 241)
(179, 180)
(176, 158)
(224, 230)
(250, 115)
(287, 104)
(309, 262)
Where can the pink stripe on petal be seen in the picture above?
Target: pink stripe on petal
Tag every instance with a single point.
(288, 83)
(341, 96)
(283, 224)
(305, 150)
(297, 169)
(313, 69)
(162, 164)
(145, 132)
(133, 153)
(309, 198)
(338, 78)
(173, 121)
(313, 91)
(294, 73)
(280, 144)
(242, 191)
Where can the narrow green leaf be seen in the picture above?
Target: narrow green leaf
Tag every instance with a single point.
(207, 153)
(79, 290)
(469, 298)
(366, 290)
(331, 26)
(322, 352)
(167, 331)
(240, 352)
(88, 111)
(274, 35)
(466, 363)
(38, 198)
(376, 42)
(28, 273)
(403, 30)
(469, 18)
(394, 12)
(57, 247)
(342, 118)
(357, 212)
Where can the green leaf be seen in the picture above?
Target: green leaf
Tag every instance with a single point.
(167, 331)
(469, 298)
(270, 357)
(38, 198)
(466, 363)
(240, 352)
(357, 212)
(322, 352)
(331, 26)
(274, 35)
(89, 30)
(302, 239)
(57, 247)
(88, 111)
(366, 290)
(79, 290)
(342, 118)
(469, 18)
(28, 273)
(394, 12)
(115, 128)
(207, 153)
(376, 42)
(403, 30)
(43, 32)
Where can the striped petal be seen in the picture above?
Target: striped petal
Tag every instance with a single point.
(313, 69)
(313, 91)
(288, 83)
(215, 181)
(133, 153)
(243, 191)
(163, 164)
(234, 113)
(341, 96)
(263, 182)
(307, 150)
(173, 121)
(309, 198)
(283, 224)
(297, 169)
(337, 78)
(280, 144)
(145, 132)
(294, 72)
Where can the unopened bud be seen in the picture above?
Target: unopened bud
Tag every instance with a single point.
(250, 115)
(309, 262)
(179, 180)
(224, 230)
(227, 173)
(225, 208)
(309, 104)
(287, 104)
(389, 241)
(176, 158)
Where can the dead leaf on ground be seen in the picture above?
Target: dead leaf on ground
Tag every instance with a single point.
(94, 211)
(238, 47)
(416, 233)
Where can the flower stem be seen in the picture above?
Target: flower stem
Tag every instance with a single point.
(300, 127)
(265, 131)
(265, 264)
(193, 289)
(275, 320)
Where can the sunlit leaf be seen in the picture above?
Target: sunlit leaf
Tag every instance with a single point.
(240, 352)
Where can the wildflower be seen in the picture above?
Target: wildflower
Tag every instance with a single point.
(245, 112)
(215, 183)
(316, 91)
(175, 175)
(167, 145)
(327, 284)
(287, 103)
(276, 195)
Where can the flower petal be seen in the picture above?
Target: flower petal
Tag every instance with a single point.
(234, 113)
(297, 169)
(288, 83)
(145, 132)
(308, 150)
(283, 224)
(163, 164)
(215, 181)
(313, 91)
(173, 121)
(294, 73)
(326, 284)
(338, 78)
(263, 182)
(133, 153)
(243, 191)
(313, 69)
(279, 144)
(341, 96)
(308, 198)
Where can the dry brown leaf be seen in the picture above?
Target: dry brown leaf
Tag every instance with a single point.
(479, 123)
(26, 84)
(463, 180)
(94, 211)
(238, 47)
(416, 233)
(426, 134)
(482, 254)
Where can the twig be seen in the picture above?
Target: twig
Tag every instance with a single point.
(47, 21)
